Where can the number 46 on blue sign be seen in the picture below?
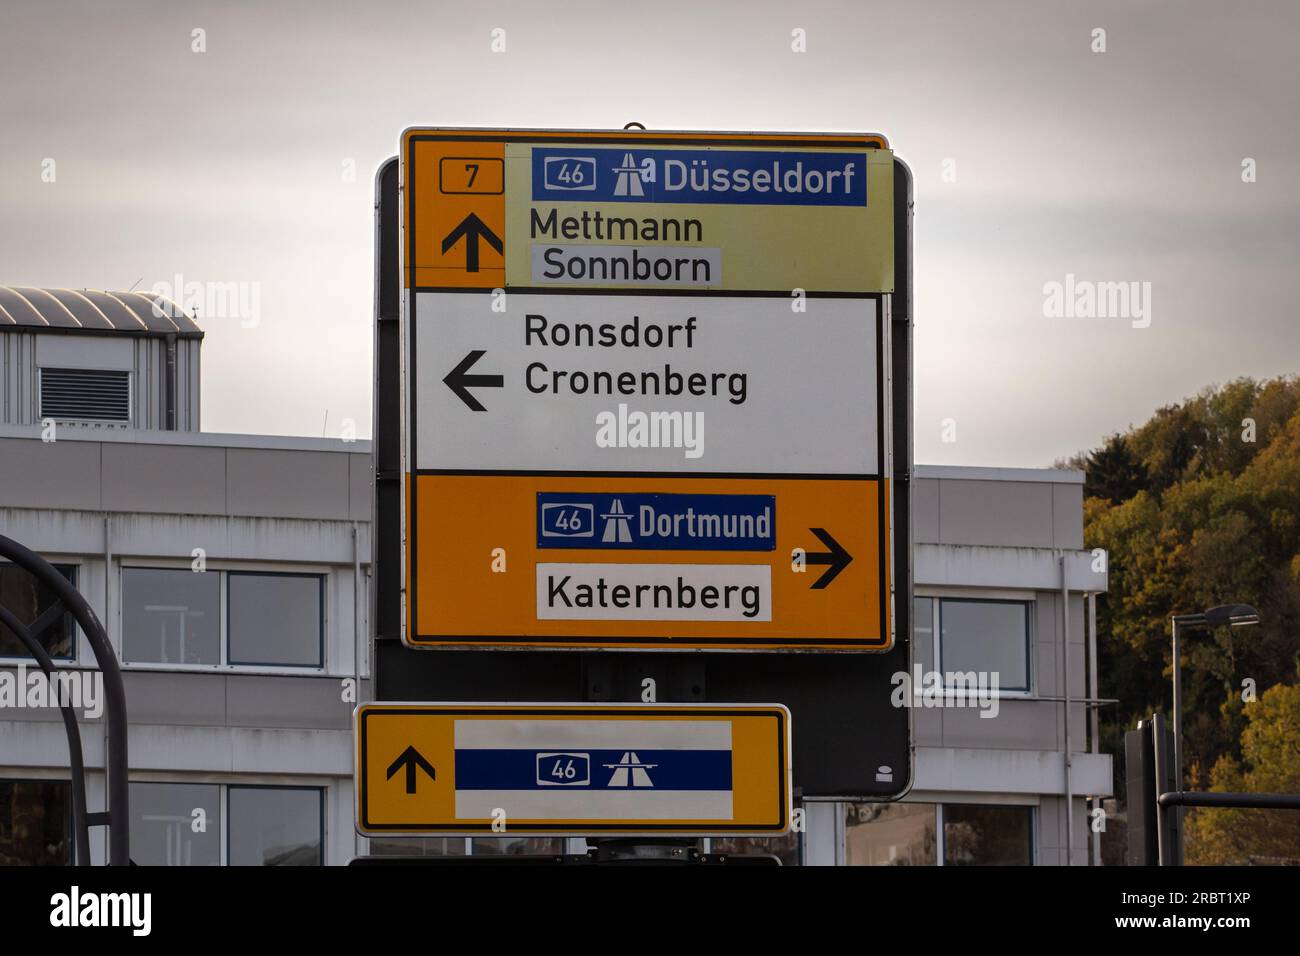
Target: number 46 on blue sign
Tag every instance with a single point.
(563, 770)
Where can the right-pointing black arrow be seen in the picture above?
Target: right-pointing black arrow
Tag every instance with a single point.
(460, 382)
(837, 558)
(410, 758)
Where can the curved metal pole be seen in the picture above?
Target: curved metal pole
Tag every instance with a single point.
(115, 758)
(80, 829)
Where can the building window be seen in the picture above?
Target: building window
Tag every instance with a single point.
(926, 834)
(210, 618)
(986, 637)
(171, 616)
(181, 824)
(277, 619)
(35, 822)
(175, 824)
(275, 826)
(923, 632)
(890, 834)
(27, 598)
(980, 835)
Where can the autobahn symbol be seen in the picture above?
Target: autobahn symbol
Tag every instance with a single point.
(618, 524)
(629, 771)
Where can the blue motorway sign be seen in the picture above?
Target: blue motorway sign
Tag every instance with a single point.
(735, 177)
(659, 522)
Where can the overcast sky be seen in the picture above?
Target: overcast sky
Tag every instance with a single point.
(228, 166)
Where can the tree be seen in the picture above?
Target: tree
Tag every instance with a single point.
(1197, 507)
(1270, 763)
(1112, 472)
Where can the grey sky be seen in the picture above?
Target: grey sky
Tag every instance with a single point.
(226, 166)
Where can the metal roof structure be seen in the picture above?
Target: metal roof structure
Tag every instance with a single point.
(86, 310)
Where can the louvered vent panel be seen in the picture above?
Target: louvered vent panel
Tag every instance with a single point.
(86, 394)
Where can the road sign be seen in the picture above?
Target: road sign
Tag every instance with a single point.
(629, 769)
(647, 390)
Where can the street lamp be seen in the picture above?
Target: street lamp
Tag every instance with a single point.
(1230, 615)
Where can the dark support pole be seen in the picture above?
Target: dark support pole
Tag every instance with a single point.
(80, 830)
(115, 759)
(1163, 767)
(1143, 794)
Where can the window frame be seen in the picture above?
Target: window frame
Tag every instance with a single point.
(940, 840)
(321, 792)
(226, 665)
(71, 822)
(320, 611)
(1030, 604)
(220, 808)
(941, 823)
(167, 665)
(936, 811)
(74, 569)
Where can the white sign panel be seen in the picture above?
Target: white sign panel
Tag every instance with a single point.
(601, 383)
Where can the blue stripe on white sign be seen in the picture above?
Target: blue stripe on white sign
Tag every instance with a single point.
(597, 770)
(630, 766)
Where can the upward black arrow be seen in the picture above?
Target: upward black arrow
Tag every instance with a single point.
(837, 558)
(410, 758)
(472, 228)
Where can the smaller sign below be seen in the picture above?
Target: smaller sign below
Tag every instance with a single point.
(576, 769)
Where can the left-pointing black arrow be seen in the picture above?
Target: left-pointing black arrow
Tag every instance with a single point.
(410, 759)
(472, 228)
(837, 558)
(460, 382)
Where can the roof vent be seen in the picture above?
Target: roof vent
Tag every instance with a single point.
(84, 394)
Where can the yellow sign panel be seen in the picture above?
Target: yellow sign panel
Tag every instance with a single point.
(580, 769)
(754, 212)
(646, 394)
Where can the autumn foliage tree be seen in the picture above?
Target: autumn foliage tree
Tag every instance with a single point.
(1269, 763)
(1200, 506)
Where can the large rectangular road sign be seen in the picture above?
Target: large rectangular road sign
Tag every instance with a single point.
(629, 769)
(646, 390)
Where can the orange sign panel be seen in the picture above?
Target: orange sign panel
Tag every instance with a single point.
(457, 221)
(533, 564)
